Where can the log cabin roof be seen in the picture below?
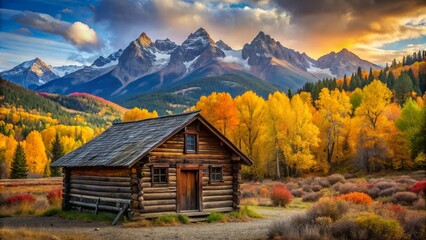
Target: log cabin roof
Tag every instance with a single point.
(126, 143)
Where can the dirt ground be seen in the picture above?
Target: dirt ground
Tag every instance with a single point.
(255, 229)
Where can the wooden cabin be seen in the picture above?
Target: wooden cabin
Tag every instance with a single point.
(171, 164)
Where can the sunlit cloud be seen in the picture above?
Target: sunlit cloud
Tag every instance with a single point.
(79, 34)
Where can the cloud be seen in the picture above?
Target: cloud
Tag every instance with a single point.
(67, 10)
(23, 31)
(176, 19)
(79, 34)
(316, 27)
(354, 22)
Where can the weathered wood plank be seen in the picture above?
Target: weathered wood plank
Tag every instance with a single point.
(101, 183)
(156, 196)
(159, 208)
(217, 192)
(100, 178)
(159, 189)
(218, 204)
(217, 198)
(159, 202)
(101, 194)
(101, 188)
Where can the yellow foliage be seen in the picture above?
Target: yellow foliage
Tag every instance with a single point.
(138, 114)
(251, 130)
(35, 153)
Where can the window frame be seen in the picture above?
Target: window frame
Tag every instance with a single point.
(211, 180)
(196, 143)
(160, 175)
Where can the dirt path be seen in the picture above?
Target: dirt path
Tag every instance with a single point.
(255, 229)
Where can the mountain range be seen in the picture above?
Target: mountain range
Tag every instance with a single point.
(146, 67)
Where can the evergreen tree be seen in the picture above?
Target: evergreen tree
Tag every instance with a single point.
(390, 80)
(370, 76)
(345, 84)
(57, 151)
(19, 164)
(403, 87)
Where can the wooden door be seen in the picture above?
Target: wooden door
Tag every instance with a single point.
(188, 190)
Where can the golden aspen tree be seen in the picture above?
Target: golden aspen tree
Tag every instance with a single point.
(334, 107)
(10, 145)
(251, 130)
(372, 149)
(220, 110)
(301, 136)
(138, 114)
(35, 152)
(279, 110)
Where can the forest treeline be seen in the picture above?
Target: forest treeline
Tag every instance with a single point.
(370, 127)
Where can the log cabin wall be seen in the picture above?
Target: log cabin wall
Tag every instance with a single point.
(106, 183)
(219, 196)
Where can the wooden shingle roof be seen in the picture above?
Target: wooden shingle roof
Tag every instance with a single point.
(125, 143)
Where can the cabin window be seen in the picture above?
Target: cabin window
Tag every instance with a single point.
(191, 143)
(216, 174)
(159, 175)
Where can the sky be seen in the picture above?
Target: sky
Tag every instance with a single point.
(72, 32)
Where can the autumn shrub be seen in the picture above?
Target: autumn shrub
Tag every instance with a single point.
(373, 192)
(335, 187)
(384, 185)
(356, 197)
(316, 187)
(306, 187)
(296, 228)
(348, 229)
(418, 187)
(335, 178)
(380, 228)
(55, 197)
(20, 198)
(297, 192)
(387, 192)
(328, 207)
(349, 187)
(312, 197)
(415, 226)
(406, 180)
(280, 195)
(22, 203)
(326, 192)
(321, 181)
(404, 198)
(420, 204)
(292, 185)
(264, 192)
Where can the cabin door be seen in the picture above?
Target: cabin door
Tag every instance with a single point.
(188, 190)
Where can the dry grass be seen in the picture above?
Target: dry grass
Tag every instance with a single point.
(40, 189)
(31, 234)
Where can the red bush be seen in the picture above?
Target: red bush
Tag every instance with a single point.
(21, 198)
(280, 195)
(55, 196)
(418, 187)
(356, 197)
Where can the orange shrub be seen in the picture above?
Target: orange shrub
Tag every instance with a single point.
(55, 197)
(280, 195)
(356, 197)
